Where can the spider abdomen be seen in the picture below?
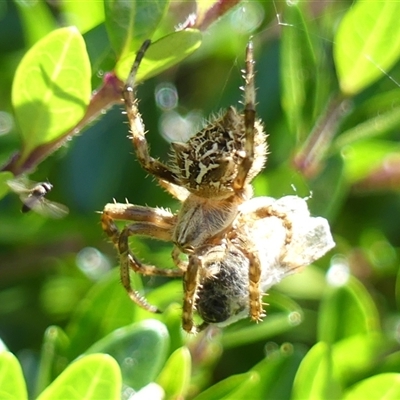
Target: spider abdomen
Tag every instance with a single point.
(207, 164)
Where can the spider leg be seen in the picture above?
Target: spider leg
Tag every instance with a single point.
(270, 211)
(249, 120)
(255, 268)
(129, 212)
(255, 294)
(149, 164)
(190, 286)
(181, 264)
(154, 223)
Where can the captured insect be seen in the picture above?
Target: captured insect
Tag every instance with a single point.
(33, 197)
(211, 175)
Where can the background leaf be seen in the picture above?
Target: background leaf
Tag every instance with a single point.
(367, 42)
(140, 349)
(383, 386)
(130, 23)
(12, 385)
(51, 88)
(96, 376)
(159, 56)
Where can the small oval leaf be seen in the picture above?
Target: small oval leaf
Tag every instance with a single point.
(378, 387)
(162, 54)
(96, 376)
(367, 43)
(51, 88)
(12, 384)
(129, 23)
(140, 349)
(175, 376)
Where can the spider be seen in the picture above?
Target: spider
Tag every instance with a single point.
(211, 175)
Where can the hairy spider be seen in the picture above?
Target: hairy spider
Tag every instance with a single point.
(211, 175)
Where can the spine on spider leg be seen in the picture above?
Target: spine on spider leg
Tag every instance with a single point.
(137, 128)
(249, 100)
(249, 116)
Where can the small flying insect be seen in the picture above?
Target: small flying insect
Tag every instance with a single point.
(33, 197)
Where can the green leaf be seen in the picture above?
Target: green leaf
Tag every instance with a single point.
(175, 376)
(12, 384)
(298, 71)
(235, 387)
(364, 157)
(357, 355)
(277, 372)
(140, 349)
(51, 88)
(52, 359)
(161, 55)
(85, 15)
(367, 42)
(31, 12)
(105, 308)
(378, 125)
(4, 188)
(378, 387)
(130, 23)
(245, 332)
(96, 376)
(315, 378)
(346, 311)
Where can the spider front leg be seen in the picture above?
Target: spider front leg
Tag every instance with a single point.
(249, 120)
(154, 223)
(137, 129)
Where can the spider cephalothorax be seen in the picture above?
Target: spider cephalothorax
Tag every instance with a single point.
(211, 175)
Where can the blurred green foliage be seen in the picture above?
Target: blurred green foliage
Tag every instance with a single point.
(328, 92)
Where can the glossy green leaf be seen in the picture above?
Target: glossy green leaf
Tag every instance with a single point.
(234, 387)
(358, 354)
(298, 71)
(31, 12)
(309, 283)
(52, 359)
(367, 42)
(364, 157)
(51, 88)
(277, 372)
(378, 387)
(85, 15)
(130, 23)
(316, 378)
(161, 55)
(378, 125)
(96, 376)
(140, 349)
(175, 376)
(168, 298)
(12, 383)
(346, 311)
(245, 332)
(105, 308)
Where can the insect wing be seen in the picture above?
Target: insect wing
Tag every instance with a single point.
(19, 186)
(48, 208)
